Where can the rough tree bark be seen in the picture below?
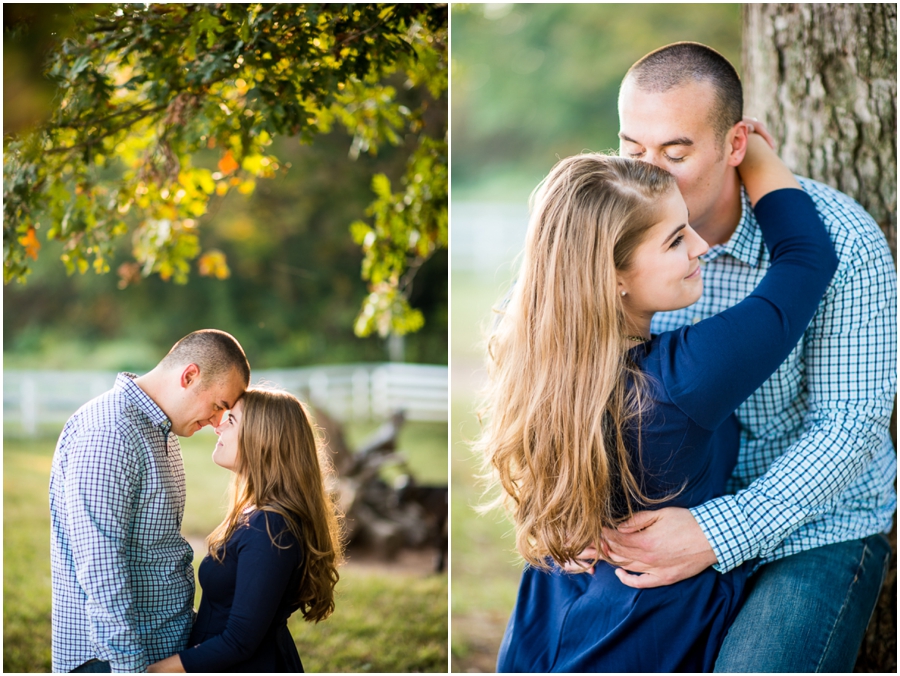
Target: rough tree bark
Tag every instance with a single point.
(823, 77)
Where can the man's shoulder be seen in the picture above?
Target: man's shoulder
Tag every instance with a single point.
(843, 215)
(107, 411)
(111, 415)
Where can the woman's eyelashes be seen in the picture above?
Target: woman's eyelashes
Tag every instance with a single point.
(677, 241)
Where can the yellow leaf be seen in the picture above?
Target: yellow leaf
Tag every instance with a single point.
(214, 264)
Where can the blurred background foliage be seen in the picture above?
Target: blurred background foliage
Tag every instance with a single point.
(280, 268)
(533, 82)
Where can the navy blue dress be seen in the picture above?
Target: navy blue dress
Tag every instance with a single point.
(698, 375)
(242, 622)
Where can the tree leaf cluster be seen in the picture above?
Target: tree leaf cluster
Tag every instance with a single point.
(150, 90)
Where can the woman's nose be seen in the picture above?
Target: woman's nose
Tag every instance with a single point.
(698, 245)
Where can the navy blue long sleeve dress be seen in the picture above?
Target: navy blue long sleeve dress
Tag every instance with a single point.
(241, 625)
(698, 376)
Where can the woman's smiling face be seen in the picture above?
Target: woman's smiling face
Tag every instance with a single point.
(665, 271)
(225, 453)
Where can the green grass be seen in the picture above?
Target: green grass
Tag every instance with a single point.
(485, 569)
(382, 625)
(26, 557)
(383, 622)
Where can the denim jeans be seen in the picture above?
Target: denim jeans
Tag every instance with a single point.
(808, 612)
(92, 667)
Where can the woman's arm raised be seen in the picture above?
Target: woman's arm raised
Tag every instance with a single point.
(762, 171)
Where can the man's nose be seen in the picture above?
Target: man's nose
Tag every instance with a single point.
(654, 158)
(216, 420)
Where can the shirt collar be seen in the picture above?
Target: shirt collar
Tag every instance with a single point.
(125, 384)
(746, 243)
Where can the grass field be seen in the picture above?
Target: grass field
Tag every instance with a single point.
(383, 622)
(485, 569)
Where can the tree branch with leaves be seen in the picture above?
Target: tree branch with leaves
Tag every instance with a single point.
(147, 88)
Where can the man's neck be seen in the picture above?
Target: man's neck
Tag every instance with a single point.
(722, 220)
(153, 386)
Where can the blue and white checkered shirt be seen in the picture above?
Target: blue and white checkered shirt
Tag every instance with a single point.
(816, 463)
(123, 580)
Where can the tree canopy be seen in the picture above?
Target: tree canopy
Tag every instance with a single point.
(163, 109)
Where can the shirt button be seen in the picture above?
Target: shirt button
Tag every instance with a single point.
(695, 320)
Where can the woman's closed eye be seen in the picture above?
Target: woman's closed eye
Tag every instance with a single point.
(677, 241)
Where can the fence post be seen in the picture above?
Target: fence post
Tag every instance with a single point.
(318, 389)
(29, 405)
(360, 395)
(381, 407)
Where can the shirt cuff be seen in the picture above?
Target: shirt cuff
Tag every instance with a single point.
(727, 531)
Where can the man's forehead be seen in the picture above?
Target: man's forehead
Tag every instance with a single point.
(229, 390)
(666, 118)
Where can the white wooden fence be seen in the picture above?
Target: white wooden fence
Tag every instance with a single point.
(36, 400)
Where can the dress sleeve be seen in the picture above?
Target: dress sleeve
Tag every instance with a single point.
(263, 573)
(851, 366)
(99, 490)
(710, 368)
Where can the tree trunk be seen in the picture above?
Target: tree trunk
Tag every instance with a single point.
(824, 80)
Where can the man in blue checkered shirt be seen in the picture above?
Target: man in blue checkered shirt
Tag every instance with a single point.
(123, 583)
(813, 488)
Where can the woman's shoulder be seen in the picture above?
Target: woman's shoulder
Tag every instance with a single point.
(665, 360)
(264, 524)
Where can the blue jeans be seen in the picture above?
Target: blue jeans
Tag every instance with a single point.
(92, 667)
(808, 612)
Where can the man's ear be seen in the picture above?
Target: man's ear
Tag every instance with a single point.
(736, 143)
(190, 375)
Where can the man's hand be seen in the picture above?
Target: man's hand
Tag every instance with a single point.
(583, 564)
(170, 665)
(666, 545)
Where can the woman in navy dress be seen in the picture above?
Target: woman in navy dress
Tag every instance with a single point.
(589, 418)
(277, 550)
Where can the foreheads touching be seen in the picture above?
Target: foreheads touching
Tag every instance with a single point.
(214, 352)
(681, 63)
(212, 373)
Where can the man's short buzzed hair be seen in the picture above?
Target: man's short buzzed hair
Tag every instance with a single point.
(214, 352)
(682, 62)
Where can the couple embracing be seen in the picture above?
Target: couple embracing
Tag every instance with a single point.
(123, 581)
(690, 391)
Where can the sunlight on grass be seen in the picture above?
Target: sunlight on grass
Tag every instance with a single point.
(383, 622)
(380, 624)
(486, 569)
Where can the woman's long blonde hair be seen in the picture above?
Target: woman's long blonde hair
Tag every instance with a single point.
(282, 469)
(562, 392)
